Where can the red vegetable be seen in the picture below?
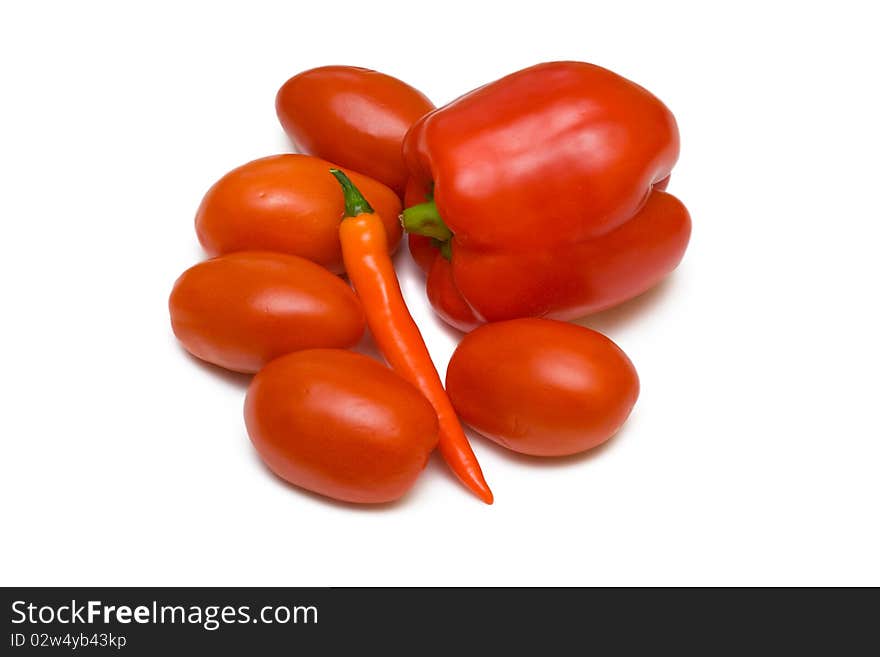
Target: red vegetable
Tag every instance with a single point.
(544, 190)
(542, 387)
(286, 203)
(340, 424)
(353, 116)
(241, 310)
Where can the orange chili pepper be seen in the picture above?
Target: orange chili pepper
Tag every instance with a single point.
(365, 254)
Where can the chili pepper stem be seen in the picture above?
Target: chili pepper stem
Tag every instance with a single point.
(355, 203)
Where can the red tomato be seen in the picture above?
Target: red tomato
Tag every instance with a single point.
(353, 116)
(241, 310)
(287, 203)
(542, 387)
(340, 424)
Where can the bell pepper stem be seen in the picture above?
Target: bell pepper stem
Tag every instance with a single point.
(445, 249)
(423, 219)
(355, 203)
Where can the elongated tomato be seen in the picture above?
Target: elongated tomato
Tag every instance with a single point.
(540, 386)
(340, 424)
(286, 203)
(353, 116)
(241, 310)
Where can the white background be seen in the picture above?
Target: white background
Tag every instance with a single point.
(752, 456)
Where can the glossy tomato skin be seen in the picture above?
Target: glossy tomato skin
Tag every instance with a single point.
(241, 310)
(290, 204)
(542, 387)
(340, 424)
(353, 116)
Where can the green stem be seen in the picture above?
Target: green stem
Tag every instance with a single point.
(446, 249)
(355, 203)
(423, 219)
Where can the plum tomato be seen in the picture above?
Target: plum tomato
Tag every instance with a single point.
(340, 424)
(290, 204)
(353, 116)
(241, 310)
(542, 387)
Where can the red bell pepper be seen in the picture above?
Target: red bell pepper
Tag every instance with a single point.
(541, 195)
